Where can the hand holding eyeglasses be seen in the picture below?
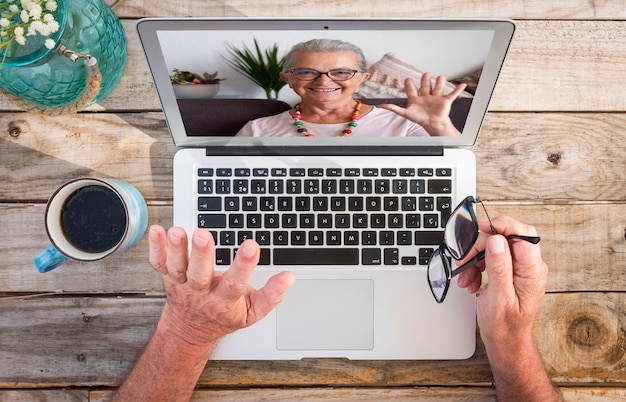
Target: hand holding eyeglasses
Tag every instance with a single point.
(517, 279)
(506, 309)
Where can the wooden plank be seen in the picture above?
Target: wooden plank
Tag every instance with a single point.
(578, 333)
(528, 9)
(464, 394)
(94, 341)
(583, 245)
(67, 395)
(451, 394)
(552, 66)
(560, 157)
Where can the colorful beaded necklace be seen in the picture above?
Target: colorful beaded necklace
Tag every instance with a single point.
(297, 116)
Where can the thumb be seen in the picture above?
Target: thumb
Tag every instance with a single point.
(499, 267)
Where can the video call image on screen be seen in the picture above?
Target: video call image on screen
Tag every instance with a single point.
(391, 56)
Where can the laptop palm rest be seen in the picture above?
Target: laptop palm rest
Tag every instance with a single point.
(327, 315)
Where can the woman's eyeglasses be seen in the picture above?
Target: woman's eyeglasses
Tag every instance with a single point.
(338, 74)
(460, 234)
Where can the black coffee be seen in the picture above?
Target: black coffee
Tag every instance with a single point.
(93, 219)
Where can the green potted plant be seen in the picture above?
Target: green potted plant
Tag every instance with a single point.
(262, 67)
(188, 85)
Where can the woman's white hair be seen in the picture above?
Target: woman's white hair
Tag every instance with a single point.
(321, 46)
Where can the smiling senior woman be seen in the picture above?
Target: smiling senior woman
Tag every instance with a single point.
(325, 73)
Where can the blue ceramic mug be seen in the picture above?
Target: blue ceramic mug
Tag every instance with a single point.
(88, 219)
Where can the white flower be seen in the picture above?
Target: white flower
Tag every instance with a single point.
(51, 5)
(22, 19)
(35, 11)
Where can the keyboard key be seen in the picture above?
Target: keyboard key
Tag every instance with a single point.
(399, 186)
(262, 237)
(428, 238)
(371, 256)
(205, 172)
(431, 221)
(391, 256)
(236, 221)
(446, 172)
(222, 256)
(298, 238)
(333, 172)
(425, 172)
(417, 186)
(440, 186)
(222, 186)
(316, 238)
(426, 203)
(346, 186)
(205, 186)
(279, 172)
(314, 256)
(209, 204)
(224, 172)
(316, 172)
(364, 186)
(281, 238)
(212, 221)
(231, 204)
(370, 172)
(338, 204)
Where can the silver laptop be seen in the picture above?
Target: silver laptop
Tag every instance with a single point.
(354, 218)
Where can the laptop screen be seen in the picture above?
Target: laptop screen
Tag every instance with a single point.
(464, 51)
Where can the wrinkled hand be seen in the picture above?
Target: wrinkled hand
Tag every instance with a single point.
(203, 305)
(428, 106)
(507, 305)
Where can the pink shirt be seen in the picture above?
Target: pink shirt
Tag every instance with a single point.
(377, 123)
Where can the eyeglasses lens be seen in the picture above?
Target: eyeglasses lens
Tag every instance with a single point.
(460, 232)
(437, 275)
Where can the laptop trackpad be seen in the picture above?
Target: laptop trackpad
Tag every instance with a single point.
(326, 315)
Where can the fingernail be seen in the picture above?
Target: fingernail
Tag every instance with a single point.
(496, 245)
(248, 250)
(175, 239)
(200, 241)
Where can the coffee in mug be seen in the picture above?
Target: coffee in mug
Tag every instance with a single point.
(88, 219)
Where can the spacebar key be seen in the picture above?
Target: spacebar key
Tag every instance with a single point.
(316, 256)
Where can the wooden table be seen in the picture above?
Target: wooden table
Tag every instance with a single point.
(552, 153)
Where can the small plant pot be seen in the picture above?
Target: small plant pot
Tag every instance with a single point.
(195, 91)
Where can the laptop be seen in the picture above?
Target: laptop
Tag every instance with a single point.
(354, 218)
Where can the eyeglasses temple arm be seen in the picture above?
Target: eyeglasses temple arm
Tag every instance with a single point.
(481, 255)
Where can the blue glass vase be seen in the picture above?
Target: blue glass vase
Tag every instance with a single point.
(91, 41)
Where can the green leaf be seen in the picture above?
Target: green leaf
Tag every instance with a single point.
(262, 67)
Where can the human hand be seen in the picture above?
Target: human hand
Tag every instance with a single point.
(203, 305)
(428, 106)
(507, 305)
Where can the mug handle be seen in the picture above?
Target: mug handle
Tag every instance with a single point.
(49, 259)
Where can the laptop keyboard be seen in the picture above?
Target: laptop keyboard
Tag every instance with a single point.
(326, 216)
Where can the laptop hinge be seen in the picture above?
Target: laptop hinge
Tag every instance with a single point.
(357, 150)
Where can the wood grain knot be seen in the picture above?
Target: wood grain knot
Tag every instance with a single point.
(592, 339)
(586, 332)
(14, 130)
(554, 159)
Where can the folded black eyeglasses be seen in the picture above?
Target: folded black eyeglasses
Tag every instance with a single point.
(460, 234)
